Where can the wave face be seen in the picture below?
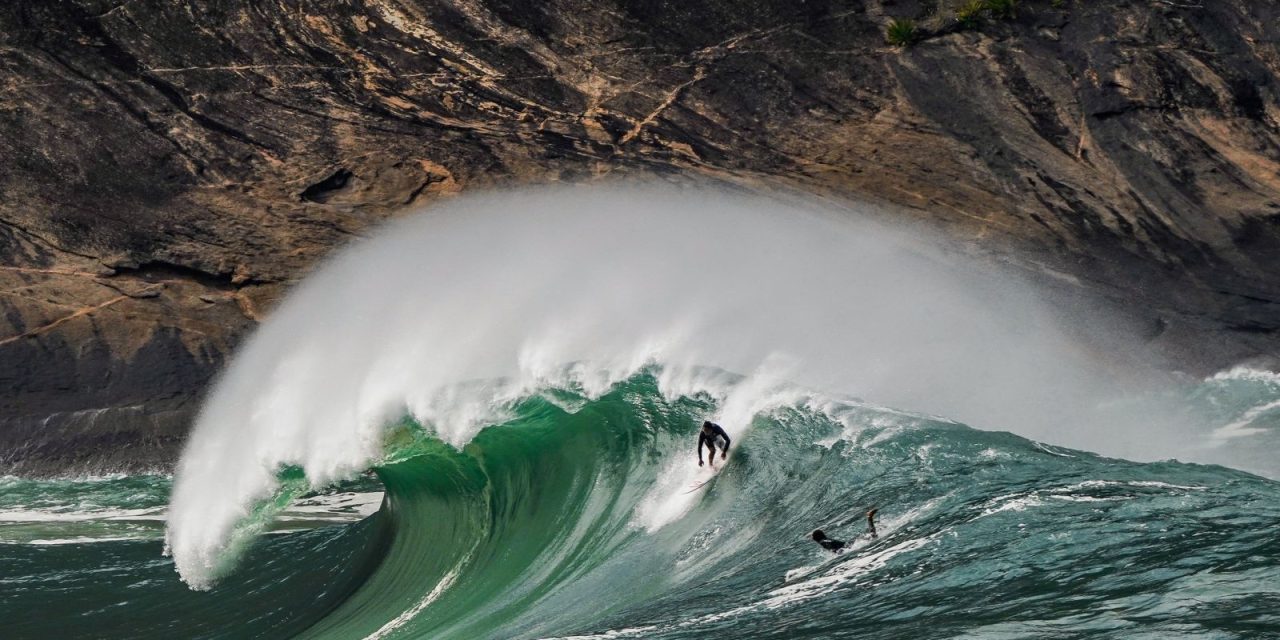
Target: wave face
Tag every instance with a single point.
(544, 527)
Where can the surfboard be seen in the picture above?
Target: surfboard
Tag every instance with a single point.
(695, 485)
(706, 475)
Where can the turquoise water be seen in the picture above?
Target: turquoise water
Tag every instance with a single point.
(550, 525)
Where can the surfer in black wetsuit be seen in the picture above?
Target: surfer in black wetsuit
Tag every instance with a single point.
(835, 545)
(827, 543)
(708, 435)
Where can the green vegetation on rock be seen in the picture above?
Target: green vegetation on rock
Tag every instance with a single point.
(902, 32)
(1005, 9)
(970, 13)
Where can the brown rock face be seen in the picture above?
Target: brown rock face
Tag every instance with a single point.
(170, 168)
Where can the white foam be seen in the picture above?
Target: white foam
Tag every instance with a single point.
(629, 632)
(82, 540)
(42, 515)
(1022, 501)
(1089, 484)
(1248, 374)
(681, 483)
(1242, 427)
(438, 590)
(1049, 450)
(843, 574)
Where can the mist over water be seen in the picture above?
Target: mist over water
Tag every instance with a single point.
(450, 315)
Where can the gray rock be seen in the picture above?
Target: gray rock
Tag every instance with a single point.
(216, 150)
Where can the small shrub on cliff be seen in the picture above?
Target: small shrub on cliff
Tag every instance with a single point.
(1001, 8)
(902, 33)
(970, 13)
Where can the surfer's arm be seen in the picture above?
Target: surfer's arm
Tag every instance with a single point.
(702, 439)
(724, 435)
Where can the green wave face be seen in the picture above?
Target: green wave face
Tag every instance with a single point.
(538, 529)
(531, 531)
(530, 514)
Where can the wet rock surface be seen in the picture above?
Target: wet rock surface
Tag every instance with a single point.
(171, 168)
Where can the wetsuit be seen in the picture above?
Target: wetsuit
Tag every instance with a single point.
(831, 545)
(836, 545)
(710, 441)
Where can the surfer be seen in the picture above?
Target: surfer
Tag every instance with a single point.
(708, 435)
(829, 544)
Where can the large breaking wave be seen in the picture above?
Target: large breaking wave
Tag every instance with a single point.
(524, 372)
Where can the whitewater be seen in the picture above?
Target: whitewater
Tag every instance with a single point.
(520, 376)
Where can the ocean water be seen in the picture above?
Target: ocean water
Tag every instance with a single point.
(577, 517)
(480, 423)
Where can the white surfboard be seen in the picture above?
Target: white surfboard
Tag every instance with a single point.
(705, 475)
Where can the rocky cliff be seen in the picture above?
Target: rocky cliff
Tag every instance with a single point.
(170, 168)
